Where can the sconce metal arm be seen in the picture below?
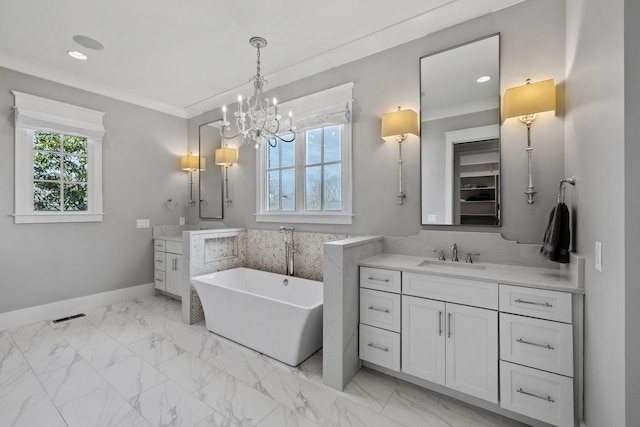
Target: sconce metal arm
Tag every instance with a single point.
(401, 195)
(191, 201)
(527, 120)
(227, 200)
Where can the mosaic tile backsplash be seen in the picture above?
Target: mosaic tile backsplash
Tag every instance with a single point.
(266, 251)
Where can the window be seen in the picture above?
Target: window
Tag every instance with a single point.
(309, 180)
(281, 177)
(58, 149)
(59, 172)
(323, 169)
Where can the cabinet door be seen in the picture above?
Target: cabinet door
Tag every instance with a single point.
(173, 272)
(472, 351)
(423, 338)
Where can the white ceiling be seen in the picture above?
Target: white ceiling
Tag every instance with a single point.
(186, 57)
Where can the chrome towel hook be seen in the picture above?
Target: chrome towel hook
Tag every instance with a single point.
(561, 190)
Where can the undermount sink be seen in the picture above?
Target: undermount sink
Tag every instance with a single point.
(450, 265)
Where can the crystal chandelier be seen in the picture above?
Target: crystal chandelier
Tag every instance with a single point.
(260, 122)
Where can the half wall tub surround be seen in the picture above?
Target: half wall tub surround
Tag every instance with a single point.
(208, 251)
(280, 316)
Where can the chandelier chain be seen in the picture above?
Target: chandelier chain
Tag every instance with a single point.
(258, 66)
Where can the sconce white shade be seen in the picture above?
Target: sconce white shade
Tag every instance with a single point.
(226, 156)
(530, 98)
(192, 163)
(401, 122)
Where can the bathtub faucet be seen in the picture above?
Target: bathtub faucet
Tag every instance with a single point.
(290, 249)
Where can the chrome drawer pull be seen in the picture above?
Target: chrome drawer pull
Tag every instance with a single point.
(378, 280)
(547, 346)
(384, 310)
(449, 326)
(439, 323)
(543, 304)
(159, 260)
(378, 347)
(547, 398)
(159, 280)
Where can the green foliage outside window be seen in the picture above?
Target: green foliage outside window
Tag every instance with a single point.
(59, 172)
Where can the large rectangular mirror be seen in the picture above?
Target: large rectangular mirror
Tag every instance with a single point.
(211, 181)
(460, 134)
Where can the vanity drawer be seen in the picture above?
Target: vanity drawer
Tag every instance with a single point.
(159, 280)
(380, 347)
(380, 309)
(159, 244)
(159, 260)
(380, 279)
(537, 394)
(174, 247)
(461, 291)
(541, 344)
(542, 303)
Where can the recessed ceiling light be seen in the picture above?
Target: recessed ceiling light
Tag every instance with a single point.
(88, 42)
(77, 55)
(483, 79)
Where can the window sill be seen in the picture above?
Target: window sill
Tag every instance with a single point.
(319, 218)
(44, 218)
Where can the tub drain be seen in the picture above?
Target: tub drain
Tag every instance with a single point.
(285, 282)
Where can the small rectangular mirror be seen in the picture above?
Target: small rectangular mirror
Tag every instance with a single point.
(460, 135)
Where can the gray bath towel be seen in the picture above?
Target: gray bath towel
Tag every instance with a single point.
(557, 237)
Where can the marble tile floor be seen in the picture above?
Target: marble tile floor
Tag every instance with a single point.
(136, 364)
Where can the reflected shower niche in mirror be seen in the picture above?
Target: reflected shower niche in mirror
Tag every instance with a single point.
(211, 183)
(460, 134)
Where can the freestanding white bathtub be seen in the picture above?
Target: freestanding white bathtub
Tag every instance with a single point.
(277, 315)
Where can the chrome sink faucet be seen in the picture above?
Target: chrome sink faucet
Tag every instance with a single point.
(454, 253)
(469, 259)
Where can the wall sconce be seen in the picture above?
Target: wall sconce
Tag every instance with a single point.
(226, 157)
(191, 164)
(524, 102)
(399, 124)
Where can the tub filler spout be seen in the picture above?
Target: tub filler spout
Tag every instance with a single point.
(290, 248)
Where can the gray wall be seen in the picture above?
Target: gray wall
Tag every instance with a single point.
(632, 207)
(532, 45)
(43, 263)
(595, 152)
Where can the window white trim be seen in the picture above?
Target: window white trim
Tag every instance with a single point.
(305, 218)
(329, 107)
(36, 113)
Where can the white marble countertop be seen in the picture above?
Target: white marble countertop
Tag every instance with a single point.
(544, 278)
(178, 237)
(172, 238)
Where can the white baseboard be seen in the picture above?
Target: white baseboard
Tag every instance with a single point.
(54, 310)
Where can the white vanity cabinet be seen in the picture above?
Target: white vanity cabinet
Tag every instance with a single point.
(424, 326)
(448, 343)
(537, 360)
(168, 266)
(379, 338)
(503, 337)
(515, 346)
